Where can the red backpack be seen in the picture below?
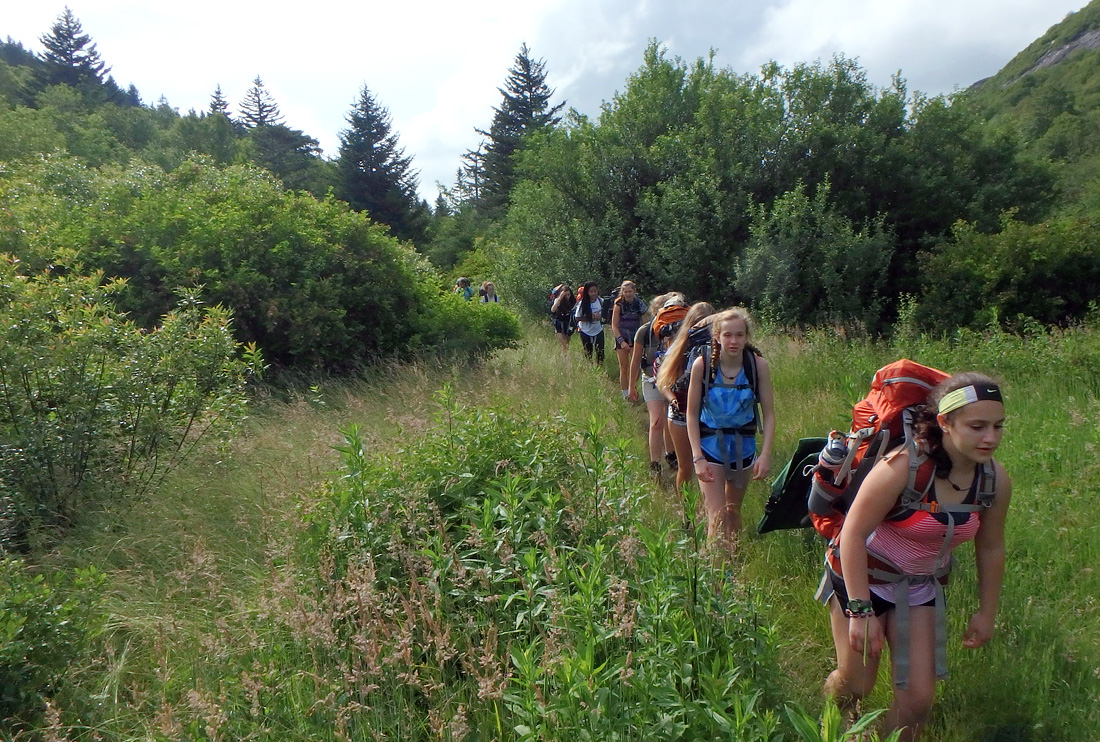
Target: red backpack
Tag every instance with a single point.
(881, 422)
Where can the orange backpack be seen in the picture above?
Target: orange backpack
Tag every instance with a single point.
(667, 316)
(881, 421)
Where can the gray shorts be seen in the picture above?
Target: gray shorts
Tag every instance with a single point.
(650, 393)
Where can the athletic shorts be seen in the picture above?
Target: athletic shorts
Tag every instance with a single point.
(621, 343)
(676, 417)
(739, 477)
(564, 326)
(650, 393)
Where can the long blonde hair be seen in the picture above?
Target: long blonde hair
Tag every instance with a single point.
(675, 357)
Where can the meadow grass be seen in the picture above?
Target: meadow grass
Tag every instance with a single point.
(520, 577)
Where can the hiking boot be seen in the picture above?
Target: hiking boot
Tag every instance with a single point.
(671, 459)
(655, 470)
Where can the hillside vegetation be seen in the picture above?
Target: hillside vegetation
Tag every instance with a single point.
(479, 554)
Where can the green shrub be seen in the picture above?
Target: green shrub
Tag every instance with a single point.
(44, 625)
(90, 405)
(1047, 272)
(312, 283)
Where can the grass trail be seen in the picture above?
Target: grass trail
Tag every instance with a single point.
(221, 522)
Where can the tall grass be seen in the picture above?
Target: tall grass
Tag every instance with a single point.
(1038, 678)
(478, 553)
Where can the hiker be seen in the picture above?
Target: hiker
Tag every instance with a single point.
(464, 289)
(589, 316)
(561, 312)
(645, 348)
(489, 293)
(959, 428)
(726, 387)
(672, 383)
(626, 318)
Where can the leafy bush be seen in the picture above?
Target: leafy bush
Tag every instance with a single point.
(807, 264)
(44, 625)
(92, 406)
(312, 283)
(1047, 272)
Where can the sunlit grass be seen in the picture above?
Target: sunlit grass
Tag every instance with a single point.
(210, 599)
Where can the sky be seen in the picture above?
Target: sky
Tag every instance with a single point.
(438, 66)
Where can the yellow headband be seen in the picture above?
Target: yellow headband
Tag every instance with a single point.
(969, 395)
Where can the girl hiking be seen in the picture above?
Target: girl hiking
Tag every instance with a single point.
(489, 293)
(645, 349)
(561, 311)
(589, 315)
(893, 563)
(464, 289)
(726, 387)
(672, 383)
(626, 318)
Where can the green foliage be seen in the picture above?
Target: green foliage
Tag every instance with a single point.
(664, 187)
(375, 174)
(498, 577)
(45, 624)
(92, 409)
(1047, 272)
(312, 283)
(524, 111)
(807, 263)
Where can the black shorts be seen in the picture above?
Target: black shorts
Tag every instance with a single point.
(621, 342)
(564, 326)
(881, 605)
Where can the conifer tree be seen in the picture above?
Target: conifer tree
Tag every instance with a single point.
(258, 107)
(375, 174)
(524, 110)
(218, 103)
(70, 57)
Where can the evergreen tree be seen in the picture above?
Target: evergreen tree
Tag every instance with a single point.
(524, 110)
(71, 58)
(258, 107)
(375, 174)
(218, 103)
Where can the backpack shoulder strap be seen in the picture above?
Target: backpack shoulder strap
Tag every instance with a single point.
(748, 362)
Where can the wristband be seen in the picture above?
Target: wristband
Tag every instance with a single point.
(859, 609)
(698, 458)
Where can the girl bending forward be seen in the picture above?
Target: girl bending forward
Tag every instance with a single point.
(959, 428)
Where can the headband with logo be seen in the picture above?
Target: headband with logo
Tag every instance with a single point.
(969, 395)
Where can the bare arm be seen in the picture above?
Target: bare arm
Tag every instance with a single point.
(695, 407)
(763, 465)
(616, 312)
(877, 496)
(636, 363)
(989, 553)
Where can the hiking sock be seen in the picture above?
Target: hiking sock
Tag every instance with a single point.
(624, 393)
(655, 468)
(670, 457)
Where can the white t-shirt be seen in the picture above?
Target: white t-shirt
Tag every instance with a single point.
(589, 328)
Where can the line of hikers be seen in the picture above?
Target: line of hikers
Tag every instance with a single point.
(913, 478)
(487, 294)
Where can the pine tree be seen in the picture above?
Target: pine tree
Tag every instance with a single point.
(375, 174)
(218, 103)
(70, 57)
(258, 107)
(524, 110)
